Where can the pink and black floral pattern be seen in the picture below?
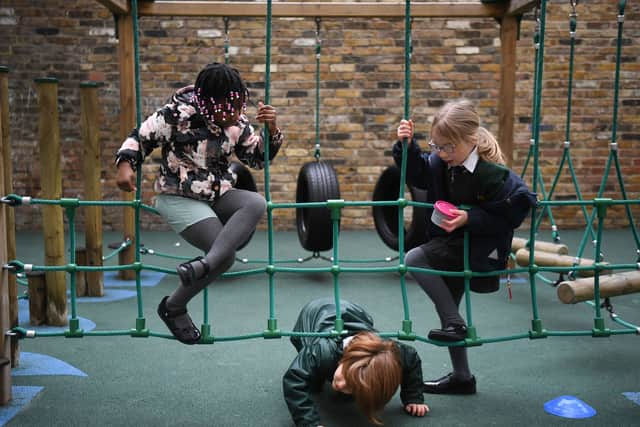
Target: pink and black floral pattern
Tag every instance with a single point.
(195, 154)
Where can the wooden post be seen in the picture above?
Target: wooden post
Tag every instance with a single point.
(506, 97)
(127, 123)
(90, 119)
(5, 320)
(9, 213)
(81, 276)
(37, 282)
(51, 183)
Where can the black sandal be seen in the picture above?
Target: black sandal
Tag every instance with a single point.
(187, 273)
(189, 335)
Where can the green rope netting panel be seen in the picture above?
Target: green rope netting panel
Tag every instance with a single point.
(271, 267)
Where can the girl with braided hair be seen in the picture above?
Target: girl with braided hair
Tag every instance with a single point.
(360, 364)
(199, 128)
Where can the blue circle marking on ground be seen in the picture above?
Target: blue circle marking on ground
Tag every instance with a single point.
(24, 321)
(569, 407)
(42, 364)
(20, 396)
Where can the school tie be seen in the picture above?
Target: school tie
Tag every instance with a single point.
(455, 172)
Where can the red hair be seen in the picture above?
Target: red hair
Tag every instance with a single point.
(372, 371)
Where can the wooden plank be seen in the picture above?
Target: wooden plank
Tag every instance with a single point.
(518, 7)
(127, 122)
(506, 97)
(320, 9)
(119, 7)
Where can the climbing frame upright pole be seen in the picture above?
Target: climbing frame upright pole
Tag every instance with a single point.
(51, 183)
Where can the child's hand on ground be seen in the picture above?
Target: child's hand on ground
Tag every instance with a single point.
(417, 409)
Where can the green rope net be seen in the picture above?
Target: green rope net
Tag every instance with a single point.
(271, 268)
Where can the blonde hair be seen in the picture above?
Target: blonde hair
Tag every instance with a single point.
(372, 371)
(458, 122)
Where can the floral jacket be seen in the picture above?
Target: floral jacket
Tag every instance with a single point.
(195, 156)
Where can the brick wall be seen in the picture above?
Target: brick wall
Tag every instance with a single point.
(362, 92)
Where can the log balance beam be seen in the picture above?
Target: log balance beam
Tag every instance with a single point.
(611, 285)
(548, 259)
(555, 248)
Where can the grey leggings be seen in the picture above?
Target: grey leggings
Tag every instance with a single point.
(238, 211)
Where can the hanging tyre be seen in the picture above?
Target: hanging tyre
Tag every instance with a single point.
(385, 218)
(244, 181)
(317, 182)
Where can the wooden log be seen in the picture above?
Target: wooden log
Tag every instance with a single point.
(579, 290)
(10, 220)
(51, 184)
(5, 321)
(555, 248)
(127, 122)
(548, 259)
(37, 285)
(90, 119)
(81, 276)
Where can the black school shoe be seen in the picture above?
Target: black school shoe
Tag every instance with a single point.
(186, 335)
(450, 385)
(451, 333)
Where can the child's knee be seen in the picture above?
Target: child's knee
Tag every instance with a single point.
(414, 258)
(258, 204)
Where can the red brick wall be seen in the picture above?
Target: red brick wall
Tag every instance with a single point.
(362, 92)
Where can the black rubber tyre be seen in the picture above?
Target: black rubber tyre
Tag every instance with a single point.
(244, 181)
(385, 218)
(317, 182)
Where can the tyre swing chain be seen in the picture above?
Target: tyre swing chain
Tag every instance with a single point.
(317, 112)
(317, 182)
(226, 39)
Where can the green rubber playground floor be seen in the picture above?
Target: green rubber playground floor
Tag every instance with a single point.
(160, 382)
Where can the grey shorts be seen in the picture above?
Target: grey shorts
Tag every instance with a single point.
(181, 212)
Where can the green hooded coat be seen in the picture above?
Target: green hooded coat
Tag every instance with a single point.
(318, 358)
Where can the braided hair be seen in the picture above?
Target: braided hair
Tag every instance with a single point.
(220, 89)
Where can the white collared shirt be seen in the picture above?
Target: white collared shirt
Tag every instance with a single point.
(471, 161)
